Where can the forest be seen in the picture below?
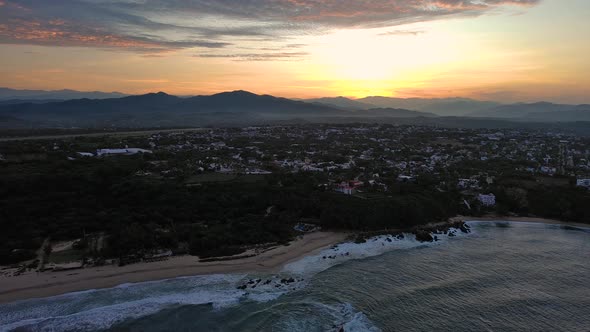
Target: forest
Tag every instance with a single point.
(66, 200)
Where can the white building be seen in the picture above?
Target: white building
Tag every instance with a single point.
(126, 151)
(487, 200)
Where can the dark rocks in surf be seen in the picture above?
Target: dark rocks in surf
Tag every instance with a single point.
(465, 228)
(424, 236)
(287, 281)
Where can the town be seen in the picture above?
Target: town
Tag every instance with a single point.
(218, 192)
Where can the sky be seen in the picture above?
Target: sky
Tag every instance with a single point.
(502, 50)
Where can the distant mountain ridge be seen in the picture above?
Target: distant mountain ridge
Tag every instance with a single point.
(161, 109)
(438, 106)
(537, 110)
(341, 102)
(242, 107)
(29, 95)
(396, 113)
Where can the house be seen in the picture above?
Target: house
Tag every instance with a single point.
(583, 183)
(349, 187)
(405, 178)
(487, 200)
(548, 170)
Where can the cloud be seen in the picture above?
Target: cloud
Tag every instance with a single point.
(61, 33)
(278, 56)
(157, 26)
(402, 33)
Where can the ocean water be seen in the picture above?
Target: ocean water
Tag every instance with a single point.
(501, 277)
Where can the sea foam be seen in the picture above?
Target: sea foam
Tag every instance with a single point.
(313, 316)
(103, 308)
(373, 246)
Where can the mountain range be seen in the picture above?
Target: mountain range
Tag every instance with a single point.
(161, 109)
(242, 107)
(540, 111)
(35, 95)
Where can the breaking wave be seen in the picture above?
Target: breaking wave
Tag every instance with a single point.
(104, 308)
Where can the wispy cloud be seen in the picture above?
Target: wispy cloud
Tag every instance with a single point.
(277, 56)
(402, 33)
(158, 26)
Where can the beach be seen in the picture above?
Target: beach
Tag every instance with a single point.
(385, 283)
(44, 284)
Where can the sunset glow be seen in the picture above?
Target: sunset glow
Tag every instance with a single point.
(509, 50)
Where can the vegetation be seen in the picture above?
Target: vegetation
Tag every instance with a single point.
(66, 200)
(182, 197)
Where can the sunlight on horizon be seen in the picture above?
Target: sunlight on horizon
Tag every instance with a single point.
(509, 52)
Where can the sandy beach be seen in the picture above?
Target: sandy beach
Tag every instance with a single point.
(37, 285)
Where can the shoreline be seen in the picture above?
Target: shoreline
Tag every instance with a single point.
(31, 285)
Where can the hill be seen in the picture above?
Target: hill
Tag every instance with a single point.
(521, 109)
(395, 113)
(541, 111)
(30, 95)
(162, 110)
(438, 106)
(342, 103)
(561, 116)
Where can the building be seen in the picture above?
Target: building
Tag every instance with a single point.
(487, 200)
(125, 152)
(583, 183)
(349, 188)
(405, 178)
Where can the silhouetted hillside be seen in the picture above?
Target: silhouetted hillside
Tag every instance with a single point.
(342, 103)
(521, 110)
(438, 106)
(6, 93)
(161, 109)
(395, 113)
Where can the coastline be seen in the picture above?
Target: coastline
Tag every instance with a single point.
(32, 285)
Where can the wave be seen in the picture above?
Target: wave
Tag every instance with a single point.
(101, 309)
(311, 316)
(104, 308)
(374, 246)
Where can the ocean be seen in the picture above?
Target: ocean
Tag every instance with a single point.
(502, 276)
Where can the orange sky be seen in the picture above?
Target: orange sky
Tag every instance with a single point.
(506, 50)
